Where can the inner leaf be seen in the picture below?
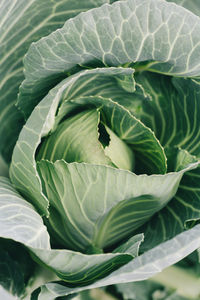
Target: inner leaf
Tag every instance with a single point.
(150, 155)
(119, 152)
(83, 138)
(76, 139)
(178, 159)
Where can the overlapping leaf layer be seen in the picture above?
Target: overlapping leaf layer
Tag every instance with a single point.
(109, 154)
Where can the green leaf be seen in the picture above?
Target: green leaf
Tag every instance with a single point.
(150, 156)
(189, 90)
(131, 246)
(182, 212)
(81, 193)
(141, 268)
(172, 113)
(105, 82)
(85, 295)
(181, 158)
(79, 269)
(43, 120)
(119, 152)
(23, 22)
(3, 167)
(21, 223)
(146, 30)
(81, 91)
(18, 219)
(16, 267)
(76, 139)
(192, 5)
(175, 296)
(142, 290)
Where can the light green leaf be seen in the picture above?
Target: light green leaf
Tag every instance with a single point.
(124, 32)
(81, 193)
(76, 139)
(18, 219)
(119, 152)
(141, 268)
(23, 22)
(131, 246)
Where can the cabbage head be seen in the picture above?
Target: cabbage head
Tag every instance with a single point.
(102, 137)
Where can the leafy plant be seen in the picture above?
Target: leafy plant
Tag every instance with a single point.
(101, 135)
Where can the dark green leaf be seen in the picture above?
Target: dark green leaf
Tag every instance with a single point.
(16, 267)
(172, 113)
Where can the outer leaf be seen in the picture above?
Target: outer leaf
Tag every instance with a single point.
(173, 115)
(79, 269)
(16, 267)
(192, 5)
(146, 30)
(141, 268)
(18, 220)
(81, 193)
(173, 110)
(20, 25)
(182, 212)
